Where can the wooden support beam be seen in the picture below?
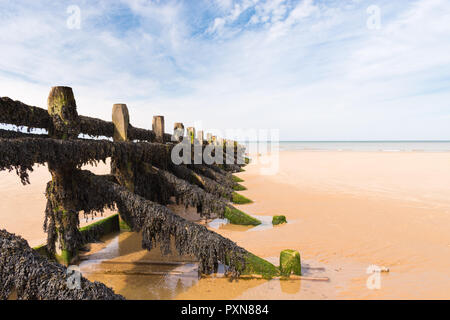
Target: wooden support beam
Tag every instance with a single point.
(200, 137)
(62, 109)
(158, 128)
(178, 131)
(191, 134)
(124, 173)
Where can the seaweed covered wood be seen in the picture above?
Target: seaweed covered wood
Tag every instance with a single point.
(34, 277)
(61, 217)
(213, 173)
(194, 196)
(20, 114)
(159, 225)
(9, 134)
(95, 127)
(62, 109)
(209, 185)
(21, 154)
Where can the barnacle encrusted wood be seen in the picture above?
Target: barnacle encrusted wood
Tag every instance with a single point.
(22, 154)
(20, 114)
(95, 127)
(209, 185)
(62, 108)
(34, 277)
(9, 134)
(141, 134)
(61, 217)
(23, 115)
(192, 195)
(213, 173)
(158, 224)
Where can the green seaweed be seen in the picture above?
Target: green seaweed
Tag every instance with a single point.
(237, 179)
(235, 216)
(290, 262)
(276, 220)
(240, 199)
(42, 250)
(239, 187)
(257, 265)
(108, 225)
(123, 226)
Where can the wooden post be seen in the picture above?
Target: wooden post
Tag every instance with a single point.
(200, 137)
(158, 128)
(121, 120)
(65, 125)
(191, 134)
(209, 137)
(178, 131)
(124, 173)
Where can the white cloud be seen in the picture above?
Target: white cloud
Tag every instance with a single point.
(309, 68)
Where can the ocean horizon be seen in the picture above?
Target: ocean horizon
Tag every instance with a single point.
(373, 146)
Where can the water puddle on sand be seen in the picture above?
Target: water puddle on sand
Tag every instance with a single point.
(121, 263)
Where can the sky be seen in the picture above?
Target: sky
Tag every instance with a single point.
(313, 69)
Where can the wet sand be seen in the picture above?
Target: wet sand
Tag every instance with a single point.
(346, 211)
(349, 210)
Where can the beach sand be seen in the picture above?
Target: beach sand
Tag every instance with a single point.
(346, 211)
(349, 210)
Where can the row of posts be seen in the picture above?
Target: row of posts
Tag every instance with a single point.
(121, 120)
(66, 125)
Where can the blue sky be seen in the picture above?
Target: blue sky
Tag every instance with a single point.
(311, 68)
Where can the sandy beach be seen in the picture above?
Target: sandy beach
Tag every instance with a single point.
(346, 211)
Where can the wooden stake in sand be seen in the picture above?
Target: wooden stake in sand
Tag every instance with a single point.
(158, 128)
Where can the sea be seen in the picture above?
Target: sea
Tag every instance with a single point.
(369, 146)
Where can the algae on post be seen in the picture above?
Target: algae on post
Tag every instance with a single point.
(276, 220)
(239, 187)
(257, 265)
(240, 199)
(235, 216)
(237, 179)
(290, 263)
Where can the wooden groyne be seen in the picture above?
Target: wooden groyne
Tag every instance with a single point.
(142, 182)
(27, 275)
